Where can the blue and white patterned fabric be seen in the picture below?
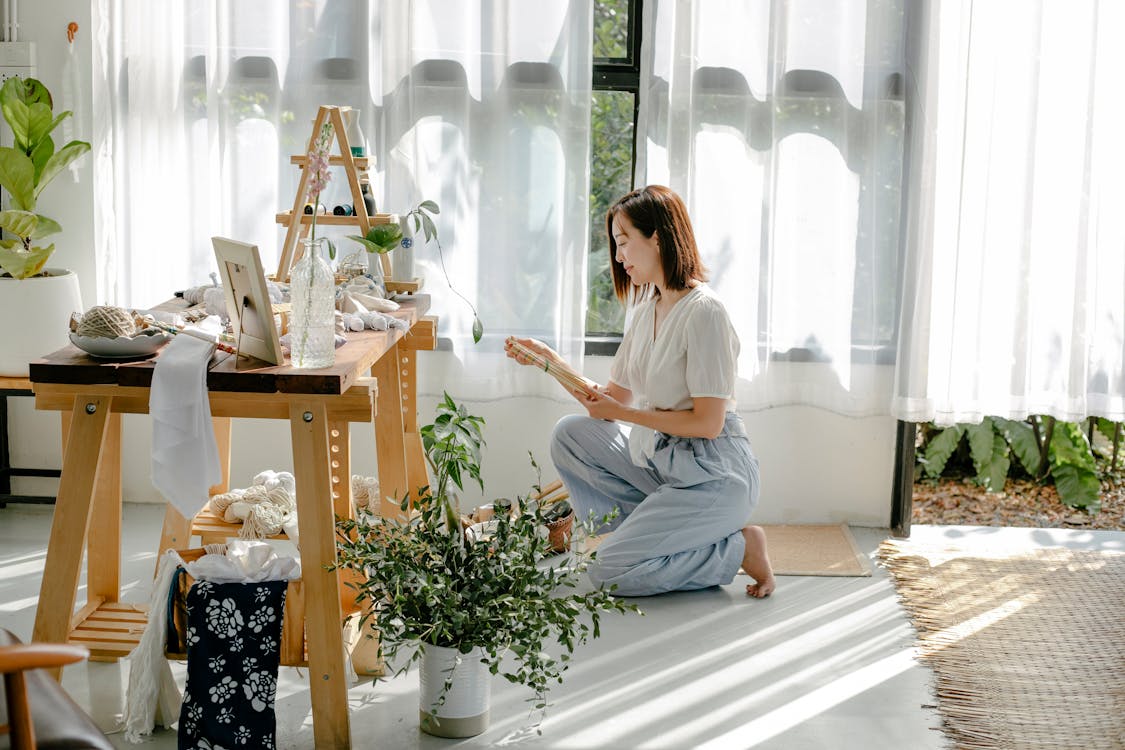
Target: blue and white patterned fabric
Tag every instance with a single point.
(233, 652)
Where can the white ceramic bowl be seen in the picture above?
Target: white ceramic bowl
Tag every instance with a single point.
(142, 345)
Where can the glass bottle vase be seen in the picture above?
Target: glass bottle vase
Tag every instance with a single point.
(312, 321)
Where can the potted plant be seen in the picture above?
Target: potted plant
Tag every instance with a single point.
(50, 295)
(383, 238)
(467, 605)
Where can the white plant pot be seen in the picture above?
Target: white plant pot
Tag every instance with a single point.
(465, 710)
(402, 258)
(34, 315)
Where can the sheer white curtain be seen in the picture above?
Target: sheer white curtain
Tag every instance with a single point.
(1015, 288)
(781, 124)
(483, 107)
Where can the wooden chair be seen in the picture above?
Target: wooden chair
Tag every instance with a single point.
(39, 713)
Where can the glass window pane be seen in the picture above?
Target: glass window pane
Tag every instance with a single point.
(611, 176)
(611, 29)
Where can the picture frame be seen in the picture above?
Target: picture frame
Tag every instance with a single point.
(248, 300)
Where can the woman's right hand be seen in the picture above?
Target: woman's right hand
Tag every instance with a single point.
(534, 345)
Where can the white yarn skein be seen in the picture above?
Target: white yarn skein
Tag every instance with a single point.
(365, 493)
(263, 508)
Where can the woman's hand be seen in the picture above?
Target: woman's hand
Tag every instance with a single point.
(600, 405)
(534, 345)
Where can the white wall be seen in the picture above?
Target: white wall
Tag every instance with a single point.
(817, 467)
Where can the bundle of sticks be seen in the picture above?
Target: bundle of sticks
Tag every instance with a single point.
(561, 372)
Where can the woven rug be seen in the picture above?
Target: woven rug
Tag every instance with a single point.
(1028, 647)
(803, 551)
(815, 551)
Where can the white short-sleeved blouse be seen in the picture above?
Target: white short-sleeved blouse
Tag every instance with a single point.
(694, 355)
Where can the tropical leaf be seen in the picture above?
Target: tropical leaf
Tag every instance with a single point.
(21, 223)
(1078, 487)
(1106, 427)
(1070, 446)
(430, 206)
(980, 442)
(45, 227)
(478, 330)
(17, 176)
(59, 161)
(21, 264)
(39, 122)
(939, 449)
(1022, 439)
(993, 474)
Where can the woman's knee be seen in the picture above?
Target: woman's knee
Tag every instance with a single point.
(567, 434)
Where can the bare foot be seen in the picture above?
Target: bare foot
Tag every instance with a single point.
(756, 563)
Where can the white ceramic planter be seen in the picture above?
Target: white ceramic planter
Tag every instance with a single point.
(34, 315)
(465, 710)
(402, 257)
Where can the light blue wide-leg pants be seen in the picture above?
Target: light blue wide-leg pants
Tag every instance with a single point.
(680, 515)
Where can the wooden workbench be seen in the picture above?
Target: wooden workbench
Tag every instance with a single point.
(318, 404)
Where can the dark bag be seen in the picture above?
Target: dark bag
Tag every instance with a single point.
(233, 651)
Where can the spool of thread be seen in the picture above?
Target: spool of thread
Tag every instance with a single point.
(344, 209)
(320, 209)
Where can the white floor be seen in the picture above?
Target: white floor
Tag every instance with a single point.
(823, 663)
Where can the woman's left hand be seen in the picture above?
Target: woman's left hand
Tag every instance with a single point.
(600, 405)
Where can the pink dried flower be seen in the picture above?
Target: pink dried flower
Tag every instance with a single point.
(319, 174)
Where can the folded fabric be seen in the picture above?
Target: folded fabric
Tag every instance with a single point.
(153, 695)
(245, 561)
(185, 459)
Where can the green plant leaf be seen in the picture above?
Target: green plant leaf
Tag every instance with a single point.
(20, 223)
(939, 449)
(39, 123)
(17, 96)
(478, 330)
(980, 442)
(368, 245)
(430, 227)
(41, 154)
(17, 176)
(1078, 487)
(1022, 439)
(1070, 446)
(20, 264)
(59, 161)
(1106, 427)
(430, 206)
(45, 228)
(996, 473)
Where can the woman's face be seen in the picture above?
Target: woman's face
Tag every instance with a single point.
(639, 254)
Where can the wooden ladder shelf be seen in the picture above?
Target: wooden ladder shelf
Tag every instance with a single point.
(355, 170)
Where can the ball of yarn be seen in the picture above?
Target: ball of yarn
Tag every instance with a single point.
(107, 321)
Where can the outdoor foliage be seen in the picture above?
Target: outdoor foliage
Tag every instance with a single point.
(1044, 449)
(611, 166)
(429, 581)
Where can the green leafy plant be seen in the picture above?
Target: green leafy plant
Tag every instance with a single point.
(383, 240)
(429, 581)
(26, 168)
(1044, 448)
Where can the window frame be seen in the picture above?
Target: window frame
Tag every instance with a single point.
(620, 74)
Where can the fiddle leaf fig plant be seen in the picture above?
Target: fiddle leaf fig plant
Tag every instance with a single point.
(26, 168)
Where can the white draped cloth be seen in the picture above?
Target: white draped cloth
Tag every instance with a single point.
(185, 458)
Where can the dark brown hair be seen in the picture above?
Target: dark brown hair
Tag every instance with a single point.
(656, 209)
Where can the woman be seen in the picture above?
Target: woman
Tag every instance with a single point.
(662, 443)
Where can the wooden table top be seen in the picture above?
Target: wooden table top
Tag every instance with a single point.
(73, 366)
